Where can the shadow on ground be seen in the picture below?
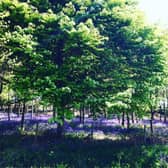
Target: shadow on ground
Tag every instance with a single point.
(76, 151)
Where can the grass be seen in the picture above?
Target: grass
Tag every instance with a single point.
(75, 151)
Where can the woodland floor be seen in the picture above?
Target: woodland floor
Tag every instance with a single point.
(111, 146)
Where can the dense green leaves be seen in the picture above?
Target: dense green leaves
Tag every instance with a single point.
(100, 53)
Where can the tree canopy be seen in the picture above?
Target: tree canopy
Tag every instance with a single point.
(96, 52)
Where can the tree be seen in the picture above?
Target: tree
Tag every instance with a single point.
(83, 52)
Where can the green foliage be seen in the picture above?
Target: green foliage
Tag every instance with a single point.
(99, 53)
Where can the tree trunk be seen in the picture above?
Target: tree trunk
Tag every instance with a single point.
(132, 117)
(94, 118)
(1, 107)
(160, 117)
(18, 109)
(92, 130)
(43, 109)
(105, 112)
(15, 106)
(8, 108)
(165, 117)
(118, 117)
(37, 130)
(165, 111)
(136, 119)
(8, 112)
(151, 121)
(128, 121)
(160, 113)
(60, 126)
(1, 86)
(144, 133)
(80, 113)
(54, 111)
(32, 110)
(123, 119)
(23, 116)
(59, 130)
(83, 114)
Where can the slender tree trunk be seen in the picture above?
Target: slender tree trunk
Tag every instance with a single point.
(165, 117)
(54, 111)
(23, 116)
(123, 119)
(60, 126)
(128, 121)
(8, 110)
(136, 119)
(160, 117)
(160, 113)
(118, 117)
(32, 110)
(1, 107)
(20, 109)
(132, 117)
(165, 111)
(151, 121)
(89, 110)
(59, 130)
(37, 129)
(83, 114)
(144, 133)
(92, 126)
(92, 130)
(1, 86)
(105, 113)
(80, 113)
(15, 106)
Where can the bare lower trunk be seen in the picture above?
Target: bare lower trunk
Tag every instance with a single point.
(123, 119)
(54, 111)
(137, 119)
(128, 121)
(60, 125)
(92, 130)
(144, 133)
(15, 107)
(37, 130)
(1, 86)
(160, 117)
(165, 114)
(105, 113)
(83, 114)
(80, 111)
(32, 110)
(151, 126)
(23, 116)
(59, 130)
(94, 118)
(132, 117)
(166, 109)
(165, 118)
(19, 109)
(8, 112)
(118, 117)
(151, 121)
